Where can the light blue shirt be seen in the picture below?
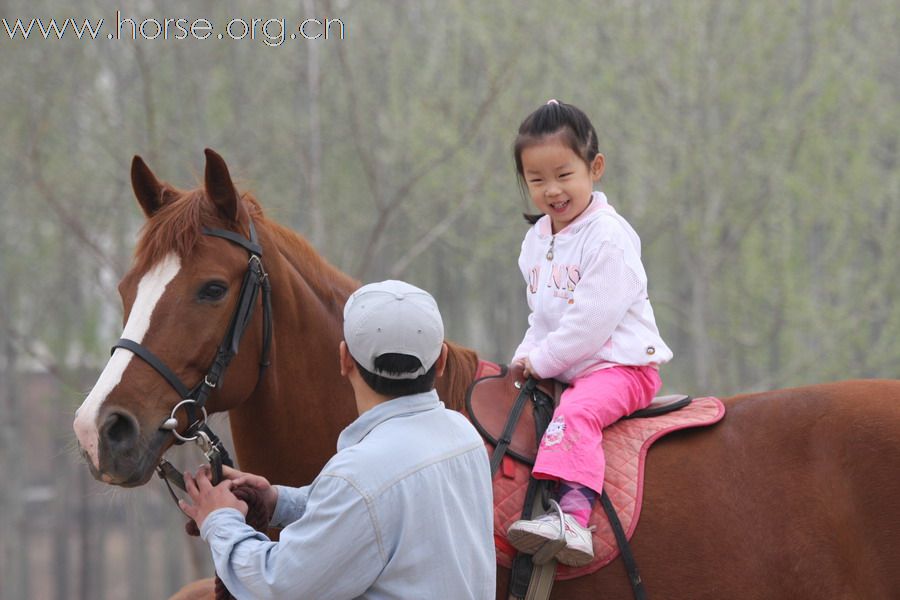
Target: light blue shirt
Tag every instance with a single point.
(404, 510)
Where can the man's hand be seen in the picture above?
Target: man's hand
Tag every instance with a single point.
(268, 491)
(205, 498)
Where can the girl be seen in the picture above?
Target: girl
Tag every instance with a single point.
(591, 324)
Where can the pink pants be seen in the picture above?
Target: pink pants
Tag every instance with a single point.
(571, 447)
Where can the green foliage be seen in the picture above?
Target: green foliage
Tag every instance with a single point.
(753, 145)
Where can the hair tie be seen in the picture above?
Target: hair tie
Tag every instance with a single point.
(553, 101)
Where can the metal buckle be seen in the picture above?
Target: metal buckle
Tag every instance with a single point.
(259, 271)
(172, 422)
(212, 454)
(204, 442)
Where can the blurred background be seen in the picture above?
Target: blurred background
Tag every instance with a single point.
(753, 145)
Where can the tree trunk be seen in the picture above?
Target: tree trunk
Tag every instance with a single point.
(13, 523)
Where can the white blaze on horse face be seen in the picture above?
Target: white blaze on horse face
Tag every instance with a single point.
(149, 291)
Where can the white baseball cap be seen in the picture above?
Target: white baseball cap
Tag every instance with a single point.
(393, 317)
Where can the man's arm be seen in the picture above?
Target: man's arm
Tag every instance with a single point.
(291, 504)
(285, 504)
(333, 550)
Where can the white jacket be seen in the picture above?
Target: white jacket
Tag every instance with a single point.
(589, 304)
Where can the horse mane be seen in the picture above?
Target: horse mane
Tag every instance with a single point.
(329, 283)
(176, 227)
(461, 366)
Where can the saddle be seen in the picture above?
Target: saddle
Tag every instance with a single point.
(489, 401)
(496, 387)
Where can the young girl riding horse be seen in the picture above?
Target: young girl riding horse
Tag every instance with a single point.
(591, 323)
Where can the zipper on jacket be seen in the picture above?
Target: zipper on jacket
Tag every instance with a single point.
(550, 249)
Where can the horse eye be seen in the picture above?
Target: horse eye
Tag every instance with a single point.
(212, 291)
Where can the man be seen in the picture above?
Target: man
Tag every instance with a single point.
(403, 510)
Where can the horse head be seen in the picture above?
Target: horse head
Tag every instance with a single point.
(180, 300)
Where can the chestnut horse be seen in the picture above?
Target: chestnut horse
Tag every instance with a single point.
(796, 494)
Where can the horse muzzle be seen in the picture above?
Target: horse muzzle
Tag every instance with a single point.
(127, 456)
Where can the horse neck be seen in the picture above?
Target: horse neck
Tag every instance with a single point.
(287, 429)
(462, 364)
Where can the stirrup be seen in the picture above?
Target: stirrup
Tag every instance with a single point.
(551, 548)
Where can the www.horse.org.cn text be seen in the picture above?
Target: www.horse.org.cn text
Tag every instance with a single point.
(272, 32)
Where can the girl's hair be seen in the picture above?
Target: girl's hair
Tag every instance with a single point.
(555, 118)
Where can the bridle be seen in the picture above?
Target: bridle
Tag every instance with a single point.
(194, 400)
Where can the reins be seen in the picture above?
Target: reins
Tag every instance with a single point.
(193, 401)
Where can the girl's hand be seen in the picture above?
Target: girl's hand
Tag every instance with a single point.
(525, 363)
(529, 370)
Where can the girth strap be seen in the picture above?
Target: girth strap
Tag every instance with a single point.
(637, 584)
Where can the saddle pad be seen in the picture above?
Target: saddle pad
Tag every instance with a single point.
(626, 444)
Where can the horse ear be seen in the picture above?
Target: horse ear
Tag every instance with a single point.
(219, 187)
(147, 188)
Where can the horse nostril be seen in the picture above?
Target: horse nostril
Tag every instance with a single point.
(120, 429)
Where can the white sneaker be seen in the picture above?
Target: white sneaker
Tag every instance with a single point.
(529, 536)
(579, 549)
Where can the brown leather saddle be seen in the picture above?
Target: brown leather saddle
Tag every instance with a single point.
(491, 399)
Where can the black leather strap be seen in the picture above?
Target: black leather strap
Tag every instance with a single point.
(252, 245)
(267, 326)
(523, 565)
(255, 279)
(246, 303)
(152, 360)
(217, 456)
(637, 584)
(510, 426)
(219, 447)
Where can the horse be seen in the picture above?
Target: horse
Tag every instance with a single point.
(794, 495)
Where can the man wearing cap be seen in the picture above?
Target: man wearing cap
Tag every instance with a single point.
(403, 510)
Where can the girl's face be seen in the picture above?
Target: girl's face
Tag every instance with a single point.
(559, 181)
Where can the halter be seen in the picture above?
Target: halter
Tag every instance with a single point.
(194, 400)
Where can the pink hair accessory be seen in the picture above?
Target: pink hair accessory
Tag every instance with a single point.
(552, 101)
